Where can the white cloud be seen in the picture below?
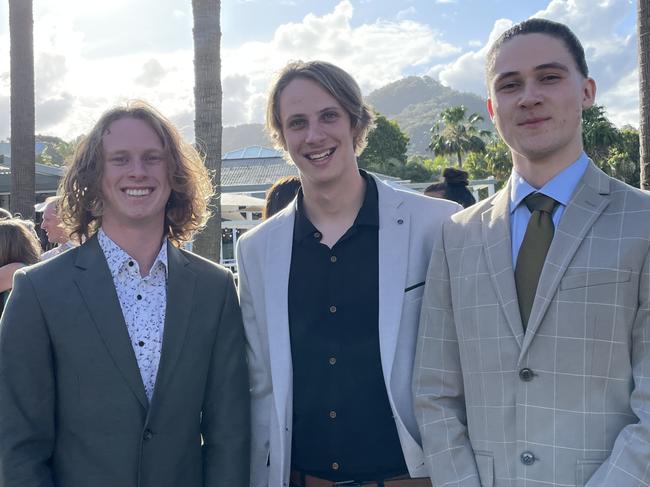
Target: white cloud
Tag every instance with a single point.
(406, 13)
(375, 54)
(152, 73)
(467, 72)
(446, 1)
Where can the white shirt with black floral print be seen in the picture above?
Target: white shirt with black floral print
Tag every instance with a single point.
(143, 301)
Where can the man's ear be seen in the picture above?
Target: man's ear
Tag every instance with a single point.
(490, 109)
(588, 93)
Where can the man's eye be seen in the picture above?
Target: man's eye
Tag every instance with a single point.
(510, 86)
(296, 123)
(153, 158)
(330, 116)
(118, 160)
(550, 78)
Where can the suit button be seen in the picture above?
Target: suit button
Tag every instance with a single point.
(527, 458)
(335, 466)
(147, 435)
(526, 374)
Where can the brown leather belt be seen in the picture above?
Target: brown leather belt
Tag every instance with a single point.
(308, 481)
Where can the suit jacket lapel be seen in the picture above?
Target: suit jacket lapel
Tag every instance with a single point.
(588, 202)
(276, 286)
(394, 230)
(96, 286)
(498, 250)
(181, 281)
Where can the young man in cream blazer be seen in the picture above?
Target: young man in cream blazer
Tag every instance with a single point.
(330, 290)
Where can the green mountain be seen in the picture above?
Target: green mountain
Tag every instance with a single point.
(414, 102)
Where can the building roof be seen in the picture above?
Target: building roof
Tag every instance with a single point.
(253, 151)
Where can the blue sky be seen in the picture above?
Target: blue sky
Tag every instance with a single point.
(91, 55)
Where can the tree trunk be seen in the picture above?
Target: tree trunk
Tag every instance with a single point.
(207, 104)
(460, 160)
(644, 90)
(23, 156)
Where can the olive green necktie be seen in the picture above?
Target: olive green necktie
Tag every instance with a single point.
(533, 250)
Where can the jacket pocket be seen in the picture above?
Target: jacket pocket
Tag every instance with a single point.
(485, 466)
(595, 278)
(585, 469)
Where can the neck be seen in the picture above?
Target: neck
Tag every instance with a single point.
(539, 171)
(336, 202)
(141, 244)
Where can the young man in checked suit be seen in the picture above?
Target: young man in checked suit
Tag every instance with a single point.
(330, 290)
(533, 360)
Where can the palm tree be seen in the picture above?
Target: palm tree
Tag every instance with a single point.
(21, 27)
(455, 135)
(207, 105)
(643, 11)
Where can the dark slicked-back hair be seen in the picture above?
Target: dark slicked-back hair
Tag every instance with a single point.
(540, 26)
(81, 198)
(283, 191)
(332, 79)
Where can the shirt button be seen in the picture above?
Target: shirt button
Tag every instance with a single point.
(141, 343)
(332, 414)
(335, 466)
(526, 374)
(139, 297)
(147, 435)
(527, 458)
(333, 258)
(332, 360)
(131, 264)
(332, 309)
(317, 235)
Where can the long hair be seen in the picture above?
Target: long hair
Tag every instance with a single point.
(186, 211)
(18, 243)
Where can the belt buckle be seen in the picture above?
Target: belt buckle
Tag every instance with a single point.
(347, 483)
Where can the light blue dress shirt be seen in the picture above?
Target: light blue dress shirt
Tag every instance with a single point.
(560, 188)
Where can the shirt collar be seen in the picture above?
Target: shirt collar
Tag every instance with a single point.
(561, 187)
(368, 213)
(121, 257)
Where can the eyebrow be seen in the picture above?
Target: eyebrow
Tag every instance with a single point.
(540, 67)
(319, 111)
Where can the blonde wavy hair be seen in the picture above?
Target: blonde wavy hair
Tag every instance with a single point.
(191, 188)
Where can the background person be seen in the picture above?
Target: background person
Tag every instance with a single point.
(18, 248)
(283, 192)
(452, 188)
(53, 228)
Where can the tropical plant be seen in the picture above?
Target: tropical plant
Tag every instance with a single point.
(207, 104)
(23, 153)
(456, 135)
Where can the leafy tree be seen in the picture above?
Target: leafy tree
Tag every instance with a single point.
(387, 145)
(495, 161)
(56, 152)
(456, 135)
(598, 133)
(208, 125)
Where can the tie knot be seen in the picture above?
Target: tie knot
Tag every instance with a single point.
(540, 202)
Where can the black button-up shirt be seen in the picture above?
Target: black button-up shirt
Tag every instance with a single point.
(343, 427)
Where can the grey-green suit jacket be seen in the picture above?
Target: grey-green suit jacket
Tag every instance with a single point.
(73, 409)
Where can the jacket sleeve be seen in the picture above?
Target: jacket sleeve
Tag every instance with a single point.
(627, 464)
(27, 391)
(225, 421)
(439, 400)
(260, 378)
